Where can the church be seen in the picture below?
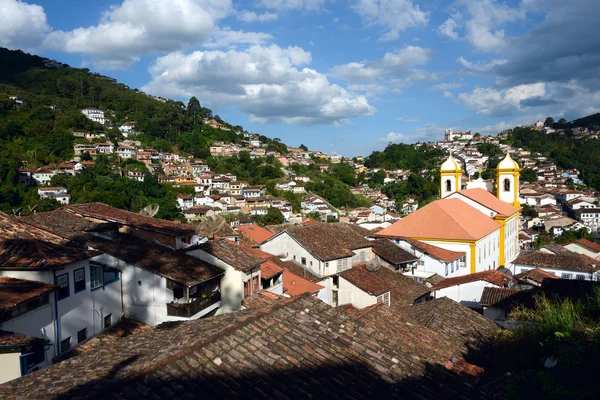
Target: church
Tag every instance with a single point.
(483, 226)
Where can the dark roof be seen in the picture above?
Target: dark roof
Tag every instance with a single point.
(295, 348)
(328, 241)
(492, 296)
(367, 281)
(261, 299)
(34, 254)
(435, 279)
(495, 277)
(107, 213)
(391, 253)
(157, 259)
(14, 228)
(297, 269)
(405, 290)
(18, 291)
(536, 274)
(12, 339)
(433, 251)
(64, 224)
(225, 231)
(457, 326)
(231, 253)
(568, 261)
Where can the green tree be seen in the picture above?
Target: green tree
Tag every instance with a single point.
(529, 175)
(549, 122)
(273, 217)
(194, 111)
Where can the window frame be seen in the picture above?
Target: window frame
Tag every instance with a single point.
(61, 345)
(58, 295)
(580, 277)
(79, 340)
(93, 267)
(75, 281)
(566, 275)
(110, 321)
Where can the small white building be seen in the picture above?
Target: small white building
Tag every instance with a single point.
(59, 194)
(94, 114)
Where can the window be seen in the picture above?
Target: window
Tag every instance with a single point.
(342, 264)
(451, 267)
(363, 256)
(95, 276)
(565, 276)
(580, 277)
(65, 344)
(446, 272)
(311, 263)
(448, 185)
(62, 281)
(107, 321)
(303, 261)
(507, 185)
(384, 298)
(79, 279)
(294, 258)
(82, 335)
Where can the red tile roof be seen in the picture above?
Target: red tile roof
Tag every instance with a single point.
(367, 281)
(269, 269)
(261, 299)
(568, 261)
(293, 285)
(492, 295)
(12, 339)
(18, 291)
(536, 274)
(255, 233)
(434, 251)
(589, 245)
(233, 254)
(443, 219)
(495, 277)
(490, 201)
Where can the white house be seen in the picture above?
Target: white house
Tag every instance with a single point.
(566, 265)
(585, 247)
(94, 114)
(42, 176)
(432, 259)
(126, 129)
(60, 194)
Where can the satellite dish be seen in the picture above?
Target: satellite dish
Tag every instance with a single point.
(373, 266)
(150, 211)
(210, 224)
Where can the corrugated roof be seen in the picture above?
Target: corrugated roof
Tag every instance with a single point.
(443, 219)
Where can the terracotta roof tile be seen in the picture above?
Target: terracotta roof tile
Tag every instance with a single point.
(294, 285)
(261, 299)
(536, 274)
(64, 224)
(255, 233)
(15, 291)
(391, 253)
(443, 219)
(366, 280)
(269, 269)
(490, 201)
(589, 245)
(233, 254)
(297, 269)
(33, 254)
(492, 296)
(568, 261)
(495, 277)
(434, 251)
(12, 339)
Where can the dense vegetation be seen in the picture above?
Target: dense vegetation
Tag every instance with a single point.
(406, 156)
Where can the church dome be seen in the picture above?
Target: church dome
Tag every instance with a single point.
(451, 165)
(508, 164)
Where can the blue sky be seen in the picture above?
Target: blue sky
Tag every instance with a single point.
(338, 76)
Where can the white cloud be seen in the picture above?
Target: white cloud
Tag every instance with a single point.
(393, 137)
(228, 38)
(486, 17)
(448, 29)
(489, 101)
(369, 88)
(251, 16)
(394, 70)
(408, 119)
(480, 66)
(447, 93)
(263, 81)
(393, 16)
(303, 5)
(22, 25)
(142, 27)
(504, 125)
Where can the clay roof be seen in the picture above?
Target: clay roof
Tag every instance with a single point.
(261, 299)
(295, 348)
(225, 231)
(294, 285)
(490, 201)
(443, 219)
(18, 291)
(536, 274)
(34, 254)
(297, 269)
(568, 261)
(269, 269)
(434, 251)
(492, 296)
(328, 241)
(15, 228)
(12, 339)
(391, 253)
(64, 224)
(233, 254)
(367, 281)
(255, 233)
(495, 277)
(107, 213)
(589, 245)
(160, 260)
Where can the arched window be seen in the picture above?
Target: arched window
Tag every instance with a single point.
(507, 185)
(448, 185)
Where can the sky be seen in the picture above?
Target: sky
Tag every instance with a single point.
(344, 77)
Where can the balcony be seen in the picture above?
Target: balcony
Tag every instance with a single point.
(193, 306)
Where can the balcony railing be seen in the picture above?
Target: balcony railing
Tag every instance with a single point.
(188, 310)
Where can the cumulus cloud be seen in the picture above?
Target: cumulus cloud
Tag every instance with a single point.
(142, 27)
(489, 101)
(480, 66)
(22, 25)
(393, 16)
(393, 71)
(393, 137)
(448, 29)
(251, 16)
(408, 119)
(446, 86)
(230, 38)
(266, 82)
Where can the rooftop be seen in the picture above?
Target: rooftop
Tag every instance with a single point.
(405, 291)
(490, 201)
(295, 285)
(589, 245)
(391, 253)
(255, 233)
(568, 261)
(434, 251)
(443, 219)
(14, 292)
(536, 274)
(34, 254)
(64, 224)
(495, 277)
(492, 296)
(261, 299)
(367, 281)
(12, 339)
(157, 259)
(233, 254)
